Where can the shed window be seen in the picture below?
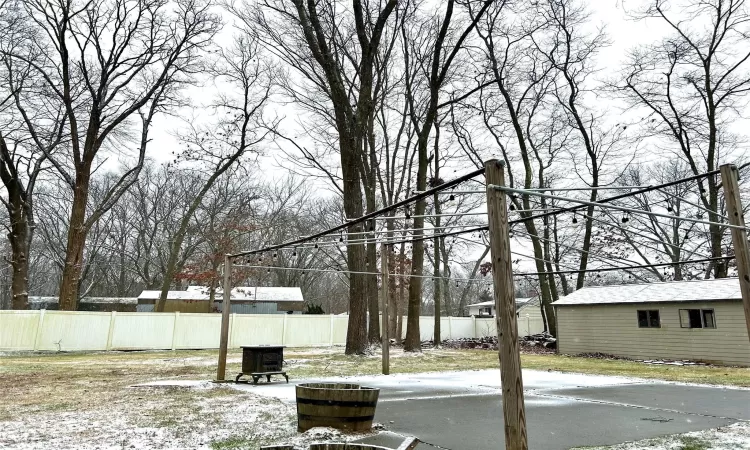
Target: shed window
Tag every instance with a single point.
(697, 318)
(649, 318)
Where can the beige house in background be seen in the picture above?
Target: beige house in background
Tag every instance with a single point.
(687, 320)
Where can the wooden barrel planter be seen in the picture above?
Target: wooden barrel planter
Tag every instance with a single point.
(349, 407)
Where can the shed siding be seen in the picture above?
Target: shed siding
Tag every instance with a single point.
(613, 329)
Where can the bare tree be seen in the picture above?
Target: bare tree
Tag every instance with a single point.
(24, 140)
(314, 39)
(430, 49)
(104, 62)
(211, 150)
(691, 84)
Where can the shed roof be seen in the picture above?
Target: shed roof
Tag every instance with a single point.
(670, 291)
(519, 302)
(240, 293)
(113, 300)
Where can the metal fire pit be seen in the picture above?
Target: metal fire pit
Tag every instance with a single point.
(262, 361)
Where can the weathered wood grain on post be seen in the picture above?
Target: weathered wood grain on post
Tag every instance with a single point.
(730, 181)
(226, 308)
(505, 305)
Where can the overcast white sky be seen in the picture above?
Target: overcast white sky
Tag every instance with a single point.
(623, 33)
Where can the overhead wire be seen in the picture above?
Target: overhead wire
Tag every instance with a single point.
(619, 208)
(366, 217)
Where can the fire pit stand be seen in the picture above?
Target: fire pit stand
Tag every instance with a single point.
(262, 361)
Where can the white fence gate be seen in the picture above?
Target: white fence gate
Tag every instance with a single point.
(82, 330)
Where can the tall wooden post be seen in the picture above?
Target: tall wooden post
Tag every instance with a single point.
(385, 288)
(225, 311)
(505, 304)
(729, 179)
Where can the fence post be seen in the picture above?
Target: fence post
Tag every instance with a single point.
(111, 330)
(232, 319)
(450, 327)
(528, 324)
(474, 326)
(283, 331)
(331, 330)
(174, 329)
(39, 330)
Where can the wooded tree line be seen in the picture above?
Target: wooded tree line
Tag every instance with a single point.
(373, 101)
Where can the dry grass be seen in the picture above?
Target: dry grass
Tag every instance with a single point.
(718, 375)
(40, 388)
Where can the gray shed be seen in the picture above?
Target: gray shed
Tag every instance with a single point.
(686, 320)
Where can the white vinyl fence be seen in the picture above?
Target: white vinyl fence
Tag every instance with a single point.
(82, 330)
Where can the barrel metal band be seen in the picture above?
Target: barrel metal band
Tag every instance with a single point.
(338, 419)
(353, 403)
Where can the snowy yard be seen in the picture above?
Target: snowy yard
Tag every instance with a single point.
(92, 401)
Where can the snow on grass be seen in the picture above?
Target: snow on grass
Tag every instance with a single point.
(196, 420)
(732, 437)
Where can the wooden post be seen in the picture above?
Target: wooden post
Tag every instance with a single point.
(505, 307)
(729, 179)
(226, 307)
(386, 341)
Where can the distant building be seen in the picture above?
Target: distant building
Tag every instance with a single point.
(244, 300)
(693, 320)
(529, 305)
(120, 304)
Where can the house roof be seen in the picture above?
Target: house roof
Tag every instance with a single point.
(671, 291)
(519, 302)
(120, 300)
(240, 293)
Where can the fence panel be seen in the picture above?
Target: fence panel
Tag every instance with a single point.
(307, 331)
(462, 327)
(74, 330)
(143, 331)
(256, 329)
(196, 331)
(486, 327)
(80, 330)
(340, 326)
(18, 329)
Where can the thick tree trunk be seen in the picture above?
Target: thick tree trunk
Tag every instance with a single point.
(721, 266)
(373, 329)
(19, 240)
(399, 299)
(437, 279)
(413, 343)
(356, 336)
(77, 232)
(171, 269)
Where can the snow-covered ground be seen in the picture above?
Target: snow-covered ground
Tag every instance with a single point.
(213, 416)
(732, 437)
